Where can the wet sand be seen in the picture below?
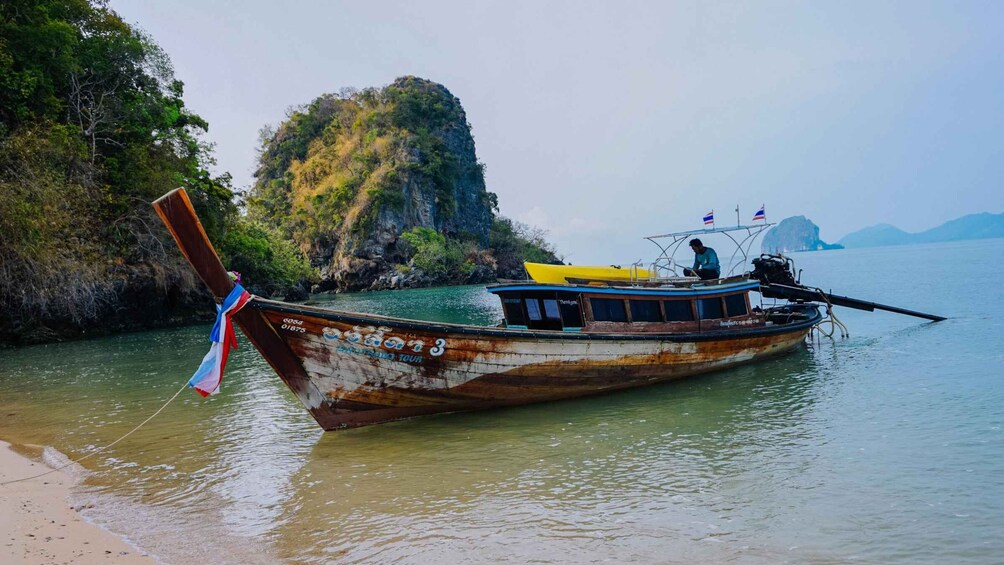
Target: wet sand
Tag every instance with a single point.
(38, 525)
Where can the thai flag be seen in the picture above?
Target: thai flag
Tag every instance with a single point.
(760, 215)
(208, 377)
(709, 218)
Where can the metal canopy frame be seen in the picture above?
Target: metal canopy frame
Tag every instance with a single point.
(667, 249)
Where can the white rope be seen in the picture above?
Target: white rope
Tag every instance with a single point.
(95, 452)
(831, 319)
(130, 432)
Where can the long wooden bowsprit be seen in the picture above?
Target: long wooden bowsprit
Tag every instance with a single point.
(176, 210)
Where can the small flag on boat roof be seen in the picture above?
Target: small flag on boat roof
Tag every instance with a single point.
(760, 215)
(709, 218)
(209, 375)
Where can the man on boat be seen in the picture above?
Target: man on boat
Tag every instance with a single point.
(705, 262)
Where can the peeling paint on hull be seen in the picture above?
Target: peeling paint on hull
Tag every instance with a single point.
(372, 369)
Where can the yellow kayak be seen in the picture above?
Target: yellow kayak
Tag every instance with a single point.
(559, 274)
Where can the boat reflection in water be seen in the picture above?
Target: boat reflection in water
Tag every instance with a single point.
(561, 483)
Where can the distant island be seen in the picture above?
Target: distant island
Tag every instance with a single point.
(972, 226)
(796, 233)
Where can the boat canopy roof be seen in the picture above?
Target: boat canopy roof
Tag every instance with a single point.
(669, 244)
(676, 235)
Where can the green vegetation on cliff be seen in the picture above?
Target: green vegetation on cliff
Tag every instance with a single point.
(92, 128)
(370, 183)
(436, 255)
(333, 165)
(512, 243)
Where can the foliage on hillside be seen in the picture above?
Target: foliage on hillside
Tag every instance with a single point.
(512, 243)
(267, 261)
(92, 128)
(385, 175)
(335, 162)
(438, 256)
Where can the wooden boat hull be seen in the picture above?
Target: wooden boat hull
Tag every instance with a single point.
(365, 369)
(352, 369)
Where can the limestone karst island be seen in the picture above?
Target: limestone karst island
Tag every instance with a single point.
(367, 189)
(381, 188)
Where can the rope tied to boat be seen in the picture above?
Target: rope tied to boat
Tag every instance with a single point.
(831, 320)
(101, 449)
(207, 377)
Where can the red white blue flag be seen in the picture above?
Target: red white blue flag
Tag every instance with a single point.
(208, 377)
(709, 218)
(760, 215)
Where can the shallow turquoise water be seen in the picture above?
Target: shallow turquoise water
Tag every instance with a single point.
(885, 447)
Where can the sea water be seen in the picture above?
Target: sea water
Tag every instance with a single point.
(886, 447)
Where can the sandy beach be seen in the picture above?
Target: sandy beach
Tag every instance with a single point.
(38, 525)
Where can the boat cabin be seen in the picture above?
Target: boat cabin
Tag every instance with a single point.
(621, 309)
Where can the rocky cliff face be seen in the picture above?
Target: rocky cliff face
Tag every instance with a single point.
(348, 174)
(796, 233)
(126, 298)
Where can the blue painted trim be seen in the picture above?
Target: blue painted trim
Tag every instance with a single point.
(641, 291)
(810, 310)
(571, 329)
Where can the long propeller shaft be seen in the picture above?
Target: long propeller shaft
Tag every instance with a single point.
(776, 290)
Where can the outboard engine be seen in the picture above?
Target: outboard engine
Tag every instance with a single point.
(776, 269)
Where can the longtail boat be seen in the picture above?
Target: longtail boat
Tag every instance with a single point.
(558, 340)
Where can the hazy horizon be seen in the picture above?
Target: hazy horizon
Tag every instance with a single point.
(607, 122)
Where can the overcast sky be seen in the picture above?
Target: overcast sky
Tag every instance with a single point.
(607, 121)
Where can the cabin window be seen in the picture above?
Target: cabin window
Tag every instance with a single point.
(608, 310)
(533, 309)
(735, 305)
(678, 311)
(513, 308)
(710, 308)
(571, 316)
(551, 309)
(645, 311)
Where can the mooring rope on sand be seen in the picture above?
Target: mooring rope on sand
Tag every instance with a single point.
(95, 452)
(209, 375)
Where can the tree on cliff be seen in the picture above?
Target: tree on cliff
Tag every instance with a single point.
(92, 128)
(348, 174)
